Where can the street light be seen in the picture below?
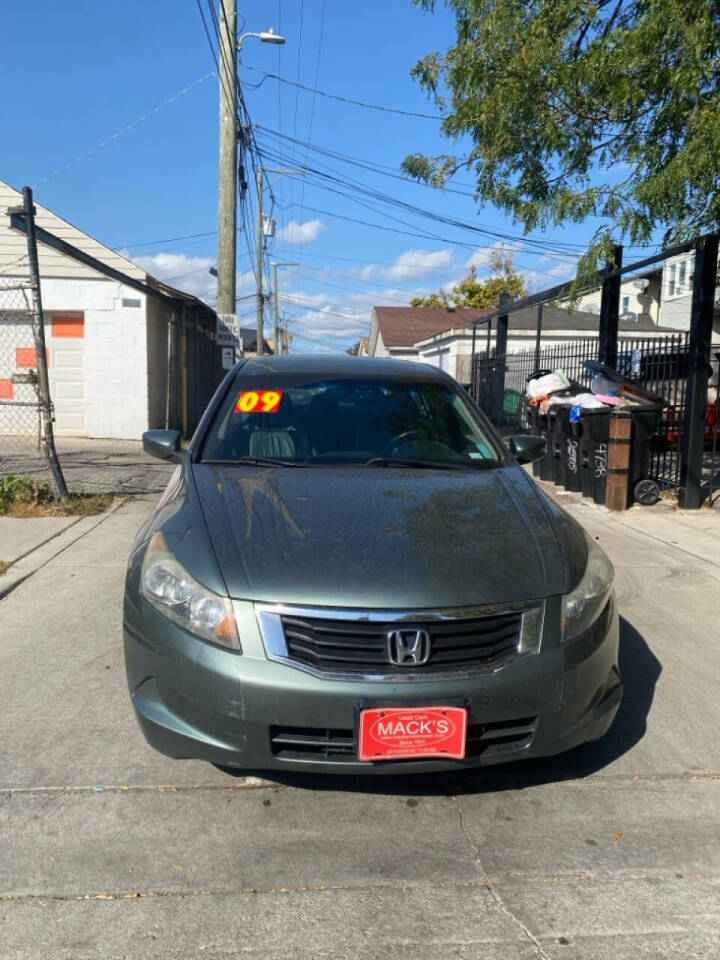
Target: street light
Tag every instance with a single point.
(275, 266)
(230, 47)
(267, 36)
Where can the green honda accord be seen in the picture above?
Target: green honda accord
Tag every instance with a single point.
(350, 571)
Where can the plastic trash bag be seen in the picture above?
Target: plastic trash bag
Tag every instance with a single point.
(548, 384)
(585, 401)
(601, 384)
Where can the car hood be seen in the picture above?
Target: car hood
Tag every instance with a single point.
(380, 538)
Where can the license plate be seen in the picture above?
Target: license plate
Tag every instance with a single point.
(400, 733)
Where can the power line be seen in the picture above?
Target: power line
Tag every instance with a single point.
(350, 100)
(154, 243)
(126, 128)
(220, 72)
(360, 188)
(294, 247)
(300, 335)
(346, 286)
(313, 102)
(216, 27)
(541, 243)
(308, 305)
(374, 167)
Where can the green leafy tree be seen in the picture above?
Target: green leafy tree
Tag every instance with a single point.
(473, 292)
(583, 108)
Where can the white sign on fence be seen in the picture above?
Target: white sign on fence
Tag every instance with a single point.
(227, 331)
(228, 358)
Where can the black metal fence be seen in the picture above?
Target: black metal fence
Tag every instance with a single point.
(193, 370)
(680, 368)
(659, 364)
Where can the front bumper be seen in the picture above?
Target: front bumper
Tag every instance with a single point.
(194, 700)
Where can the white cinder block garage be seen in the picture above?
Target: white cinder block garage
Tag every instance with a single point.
(110, 345)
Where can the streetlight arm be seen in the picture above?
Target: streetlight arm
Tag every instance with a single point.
(267, 36)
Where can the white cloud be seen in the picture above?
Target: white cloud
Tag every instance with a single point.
(322, 322)
(409, 265)
(189, 274)
(301, 233)
(387, 296)
(482, 257)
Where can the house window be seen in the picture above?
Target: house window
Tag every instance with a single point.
(682, 277)
(131, 302)
(626, 304)
(672, 274)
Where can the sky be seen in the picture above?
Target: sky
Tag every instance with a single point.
(113, 120)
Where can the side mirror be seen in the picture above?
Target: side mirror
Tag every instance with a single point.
(163, 444)
(526, 447)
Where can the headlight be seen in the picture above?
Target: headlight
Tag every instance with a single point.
(167, 585)
(583, 605)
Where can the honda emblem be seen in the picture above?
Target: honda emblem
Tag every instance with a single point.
(408, 648)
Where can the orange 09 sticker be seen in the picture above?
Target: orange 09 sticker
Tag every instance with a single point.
(258, 401)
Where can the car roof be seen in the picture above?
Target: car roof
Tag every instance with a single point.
(322, 365)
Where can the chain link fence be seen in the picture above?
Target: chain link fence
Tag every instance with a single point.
(21, 412)
(26, 415)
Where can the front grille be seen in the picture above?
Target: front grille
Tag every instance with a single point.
(499, 736)
(309, 743)
(352, 646)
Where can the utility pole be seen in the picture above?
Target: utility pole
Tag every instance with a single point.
(259, 298)
(227, 190)
(276, 309)
(230, 47)
(260, 305)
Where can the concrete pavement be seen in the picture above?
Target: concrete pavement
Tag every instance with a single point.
(90, 465)
(108, 849)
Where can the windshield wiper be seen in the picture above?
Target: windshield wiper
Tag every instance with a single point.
(410, 462)
(255, 462)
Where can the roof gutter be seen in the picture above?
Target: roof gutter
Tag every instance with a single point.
(17, 222)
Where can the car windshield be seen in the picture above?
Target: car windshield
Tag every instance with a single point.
(378, 422)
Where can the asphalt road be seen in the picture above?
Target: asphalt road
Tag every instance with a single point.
(110, 850)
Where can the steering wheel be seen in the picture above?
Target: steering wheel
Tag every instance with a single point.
(396, 441)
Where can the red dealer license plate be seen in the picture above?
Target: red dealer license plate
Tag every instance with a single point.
(398, 733)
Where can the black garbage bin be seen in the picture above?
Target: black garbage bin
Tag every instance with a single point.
(594, 436)
(566, 441)
(542, 426)
(645, 413)
(551, 465)
(576, 453)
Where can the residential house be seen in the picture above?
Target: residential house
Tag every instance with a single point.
(248, 340)
(640, 298)
(678, 274)
(445, 338)
(395, 331)
(662, 295)
(114, 345)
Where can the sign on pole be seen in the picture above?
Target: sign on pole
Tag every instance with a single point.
(227, 331)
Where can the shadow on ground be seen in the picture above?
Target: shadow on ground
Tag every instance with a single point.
(640, 670)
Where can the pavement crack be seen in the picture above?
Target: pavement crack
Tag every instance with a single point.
(489, 885)
(232, 891)
(7, 793)
(257, 783)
